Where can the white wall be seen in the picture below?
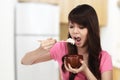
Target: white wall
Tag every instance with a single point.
(6, 39)
(110, 33)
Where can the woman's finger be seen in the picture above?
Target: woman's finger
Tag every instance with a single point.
(81, 61)
(47, 44)
(72, 69)
(66, 66)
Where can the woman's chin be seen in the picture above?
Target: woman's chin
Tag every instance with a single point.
(78, 44)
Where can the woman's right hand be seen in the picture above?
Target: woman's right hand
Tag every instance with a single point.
(40, 54)
(47, 44)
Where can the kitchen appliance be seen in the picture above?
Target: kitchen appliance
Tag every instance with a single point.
(33, 22)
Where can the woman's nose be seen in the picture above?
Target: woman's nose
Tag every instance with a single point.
(76, 30)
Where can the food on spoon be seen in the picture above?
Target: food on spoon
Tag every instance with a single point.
(70, 40)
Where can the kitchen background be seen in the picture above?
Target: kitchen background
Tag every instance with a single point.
(19, 32)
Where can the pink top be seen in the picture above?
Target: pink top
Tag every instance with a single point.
(59, 50)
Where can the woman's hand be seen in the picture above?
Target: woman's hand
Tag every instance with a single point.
(73, 70)
(89, 75)
(47, 44)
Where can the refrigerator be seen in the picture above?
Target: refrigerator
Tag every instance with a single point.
(33, 22)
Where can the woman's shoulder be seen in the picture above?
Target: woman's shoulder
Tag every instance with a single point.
(60, 45)
(58, 50)
(104, 53)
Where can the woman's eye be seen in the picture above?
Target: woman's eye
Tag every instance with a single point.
(70, 26)
(81, 27)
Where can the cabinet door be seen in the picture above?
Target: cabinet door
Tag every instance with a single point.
(99, 5)
(116, 73)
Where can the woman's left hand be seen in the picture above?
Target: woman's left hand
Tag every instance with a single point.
(84, 68)
(74, 70)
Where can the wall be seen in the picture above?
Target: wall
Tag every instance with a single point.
(110, 33)
(110, 36)
(6, 39)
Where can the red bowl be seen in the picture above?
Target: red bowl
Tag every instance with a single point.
(73, 60)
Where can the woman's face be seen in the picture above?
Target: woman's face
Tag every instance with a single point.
(78, 33)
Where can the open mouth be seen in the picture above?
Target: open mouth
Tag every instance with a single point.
(77, 39)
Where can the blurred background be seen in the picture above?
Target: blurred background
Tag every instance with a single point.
(23, 22)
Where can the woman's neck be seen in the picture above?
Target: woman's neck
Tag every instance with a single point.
(82, 51)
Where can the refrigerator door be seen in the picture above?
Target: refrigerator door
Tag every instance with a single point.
(41, 71)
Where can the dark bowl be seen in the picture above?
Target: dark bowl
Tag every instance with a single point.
(73, 60)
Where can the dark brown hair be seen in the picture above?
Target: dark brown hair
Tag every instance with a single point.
(86, 15)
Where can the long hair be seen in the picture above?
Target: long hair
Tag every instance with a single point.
(86, 15)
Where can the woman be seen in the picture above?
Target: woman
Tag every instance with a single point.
(84, 29)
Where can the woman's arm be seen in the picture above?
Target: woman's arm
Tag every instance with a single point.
(40, 54)
(107, 75)
(89, 74)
